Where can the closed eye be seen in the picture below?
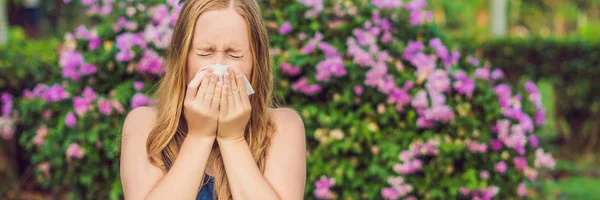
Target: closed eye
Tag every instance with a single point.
(236, 56)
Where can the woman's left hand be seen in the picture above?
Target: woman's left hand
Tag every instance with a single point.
(235, 107)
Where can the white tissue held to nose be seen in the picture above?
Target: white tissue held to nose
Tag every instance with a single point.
(220, 70)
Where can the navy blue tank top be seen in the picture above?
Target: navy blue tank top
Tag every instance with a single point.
(207, 190)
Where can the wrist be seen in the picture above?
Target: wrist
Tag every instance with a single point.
(200, 138)
(229, 141)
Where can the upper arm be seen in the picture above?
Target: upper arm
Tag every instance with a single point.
(138, 175)
(286, 159)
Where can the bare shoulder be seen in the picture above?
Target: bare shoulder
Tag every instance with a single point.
(287, 119)
(139, 122)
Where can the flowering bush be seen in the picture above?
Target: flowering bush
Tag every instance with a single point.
(390, 111)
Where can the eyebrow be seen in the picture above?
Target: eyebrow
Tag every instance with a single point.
(213, 48)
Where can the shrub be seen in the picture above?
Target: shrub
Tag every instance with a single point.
(389, 110)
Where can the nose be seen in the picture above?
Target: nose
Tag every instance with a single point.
(220, 58)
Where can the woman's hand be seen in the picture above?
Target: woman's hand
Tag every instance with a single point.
(235, 107)
(201, 104)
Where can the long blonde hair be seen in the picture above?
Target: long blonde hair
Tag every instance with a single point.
(167, 136)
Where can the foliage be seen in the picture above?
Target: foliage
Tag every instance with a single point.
(390, 111)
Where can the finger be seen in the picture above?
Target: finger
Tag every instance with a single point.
(234, 89)
(203, 86)
(210, 91)
(230, 86)
(224, 105)
(192, 87)
(241, 84)
(216, 100)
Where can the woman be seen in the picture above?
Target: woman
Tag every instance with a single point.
(207, 138)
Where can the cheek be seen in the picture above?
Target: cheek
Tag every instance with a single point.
(193, 65)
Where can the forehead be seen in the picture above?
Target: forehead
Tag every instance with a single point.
(221, 28)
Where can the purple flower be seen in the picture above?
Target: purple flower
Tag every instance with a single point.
(464, 191)
(441, 113)
(329, 50)
(323, 186)
(94, 43)
(55, 93)
(138, 85)
(151, 63)
(139, 100)
(285, 28)
(400, 97)
(104, 106)
(464, 85)
(74, 151)
(87, 69)
(500, 167)
(389, 193)
(412, 49)
(496, 145)
(315, 5)
(520, 163)
(476, 147)
(81, 105)
(312, 43)
(333, 66)
(386, 4)
(82, 32)
(289, 69)
(358, 90)
(482, 73)
(302, 86)
(438, 81)
(70, 120)
(540, 117)
(420, 100)
(533, 141)
(7, 104)
(69, 61)
(473, 61)
(125, 42)
(497, 74)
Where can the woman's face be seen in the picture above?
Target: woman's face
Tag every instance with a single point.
(220, 37)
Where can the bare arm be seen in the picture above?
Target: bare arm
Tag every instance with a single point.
(285, 172)
(142, 180)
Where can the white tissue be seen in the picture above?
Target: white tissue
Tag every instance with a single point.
(222, 69)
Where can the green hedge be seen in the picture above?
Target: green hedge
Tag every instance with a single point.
(571, 64)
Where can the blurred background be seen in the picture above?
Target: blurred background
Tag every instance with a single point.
(401, 99)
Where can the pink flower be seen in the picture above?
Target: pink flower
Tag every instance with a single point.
(289, 69)
(386, 4)
(139, 100)
(358, 90)
(543, 159)
(7, 132)
(500, 167)
(285, 28)
(484, 175)
(74, 151)
(522, 190)
(520, 163)
(482, 73)
(530, 173)
(420, 100)
(438, 82)
(138, 85)
(497, 74)
(463, 84)
(70, 120)
(389, 193)
(151, 63)
(323, 186)
(47, 114)
(105, 106)
(476, 147)
(7, 104)
(464, 191)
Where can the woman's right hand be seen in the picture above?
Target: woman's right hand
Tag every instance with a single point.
(201, 104)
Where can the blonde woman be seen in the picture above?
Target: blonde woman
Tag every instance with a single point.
(207, 138)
